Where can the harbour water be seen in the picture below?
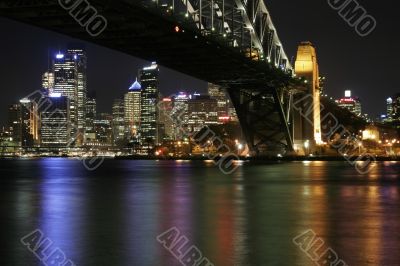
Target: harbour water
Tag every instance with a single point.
(113, 215)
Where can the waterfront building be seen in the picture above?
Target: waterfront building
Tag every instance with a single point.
(29, 118)
(132, 109)
(219, 94)
(118, 121)
(48, 82)
(166, 107)
(353, 104)
(55, 122)
(90, 116)
(15, 123)
(149, 115)
(202, 111)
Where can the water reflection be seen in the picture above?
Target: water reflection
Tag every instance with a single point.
(112, 216)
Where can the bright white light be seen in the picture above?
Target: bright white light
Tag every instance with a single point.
(59, 56)
(347, 93)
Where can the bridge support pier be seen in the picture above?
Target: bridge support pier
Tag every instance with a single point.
(265, 117)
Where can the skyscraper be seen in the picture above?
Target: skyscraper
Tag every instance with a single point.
(15, 123)
(29, 122)
(389, 109)
(69, 70)
(118, 121)
(149, 102)
(202, 111)
(353, 104)
(55, 122)
(48, 82)
(132, 103)
(66, 84)
(217, 93)
(90, 116)
(79, 55)
(396, 107)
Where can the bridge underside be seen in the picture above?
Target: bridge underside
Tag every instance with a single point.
(256, 88)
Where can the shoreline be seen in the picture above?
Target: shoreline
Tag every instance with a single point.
(242, 158)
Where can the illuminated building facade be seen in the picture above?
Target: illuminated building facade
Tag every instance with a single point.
(396, 107)
(165, 107)
(55, 122)
(90, 116)
(179, 114)
(202, 110)
(221, 97)
(118, 120)
(149, 133)
(48, 82)
(353, 104)
(29, 122)
(308, 124)
(132, 104)
(15, 123)
(79, 56)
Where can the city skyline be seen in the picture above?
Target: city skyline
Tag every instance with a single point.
(353, 74)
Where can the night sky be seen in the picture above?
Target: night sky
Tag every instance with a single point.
(366, 65)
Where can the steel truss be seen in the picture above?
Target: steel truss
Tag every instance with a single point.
(266, 119)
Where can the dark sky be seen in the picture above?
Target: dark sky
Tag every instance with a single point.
(366, 65)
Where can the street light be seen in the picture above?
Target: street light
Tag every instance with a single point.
(306, 146)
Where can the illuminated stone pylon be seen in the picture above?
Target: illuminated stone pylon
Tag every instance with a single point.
(308, 122)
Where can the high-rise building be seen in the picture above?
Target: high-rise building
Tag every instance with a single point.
(353, 104)
(66, 84)
(55, 122)
(149, 101)
(29, 122)
(179, 114)
(219, 94)
(118, 122)
(90, 116)
(15, 123)
(396, 107)
(69, 70)
(79, 55)
(389, 109)
(48, 82)
(165, 107)
(202, 110)
(132, 103)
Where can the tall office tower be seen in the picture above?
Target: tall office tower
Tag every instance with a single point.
(90, 116)
(15, 123)
(132, 103)
(165, 107)
(396, 107)
(118, 121)
(179, 114)
(79, 55)
(353, 104)
(202, 111)
(55, 122)
(29, 122)
(66, 84)
(308, 124)
(48, 82)
(389, 109)
(149, 106)
(220, 95)
(69, 70)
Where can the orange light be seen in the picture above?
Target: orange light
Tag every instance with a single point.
(177, 29)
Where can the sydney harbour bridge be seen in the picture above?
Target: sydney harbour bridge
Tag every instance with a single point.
(231, 43)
